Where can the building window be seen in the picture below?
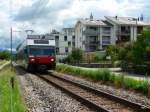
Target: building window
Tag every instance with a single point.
(106, 40)
(106, 28)
(56, 37)
(93, 28)
(66, 49)
(73, 44)
(69, 43)
(57, 50)
(65, 38)
(73, 37)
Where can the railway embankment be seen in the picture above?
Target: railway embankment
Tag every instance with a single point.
(4, 64)
(10, 96)
(106, 77)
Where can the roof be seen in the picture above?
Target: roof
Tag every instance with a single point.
(127, 21)
(68, 28)
(92, 22)
(48, 37)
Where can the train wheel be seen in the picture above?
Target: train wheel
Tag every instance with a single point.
(31, 69)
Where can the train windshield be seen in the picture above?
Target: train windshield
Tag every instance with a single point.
(41, 51)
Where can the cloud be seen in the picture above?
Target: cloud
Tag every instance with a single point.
(36, 10)
(41, 9)
(44, 15)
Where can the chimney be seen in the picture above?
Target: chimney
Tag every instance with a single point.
(91, 17)
(141, 18)
(116, 17)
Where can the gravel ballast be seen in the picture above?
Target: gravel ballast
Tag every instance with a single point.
(129, 95)
(43, 97)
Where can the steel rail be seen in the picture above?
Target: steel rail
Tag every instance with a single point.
(126, 102)
(86, 102)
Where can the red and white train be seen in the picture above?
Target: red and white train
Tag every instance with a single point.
(37, 52)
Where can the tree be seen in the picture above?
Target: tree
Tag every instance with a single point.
(5, 55)
(112, 51)
(135, 53)
(76, 56)
(141, 47)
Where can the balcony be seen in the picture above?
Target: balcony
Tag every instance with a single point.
(57, 44)
(90, 32)
(92, 43)
(123, 40)
(105, 42)
(123, 33)
(107, 32)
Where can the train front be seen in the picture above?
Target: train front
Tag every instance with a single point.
(41, 54)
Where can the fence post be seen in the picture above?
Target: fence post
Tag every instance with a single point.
(11, 92)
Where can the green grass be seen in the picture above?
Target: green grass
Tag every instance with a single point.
(5, 93)
(106, 76)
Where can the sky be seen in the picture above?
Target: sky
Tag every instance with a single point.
(44, 15)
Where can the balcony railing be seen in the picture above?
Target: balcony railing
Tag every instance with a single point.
(122, 41)
(90, 32)
(57, 43)
(92, 43)
(105, 42)
(125, 33)
(106, 32)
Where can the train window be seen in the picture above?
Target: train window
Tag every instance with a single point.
(41, 41)
(42, 51)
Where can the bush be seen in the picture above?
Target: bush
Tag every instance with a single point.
(135, 53)
(101, 74)
(142, 69)
(106, 76)
(76, 56)
(117, 63)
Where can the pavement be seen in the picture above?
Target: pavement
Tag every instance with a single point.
(118, 71)
(133, 75)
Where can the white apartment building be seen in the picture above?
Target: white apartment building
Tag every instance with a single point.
(92, 35)
(65, 40)
(126, 29)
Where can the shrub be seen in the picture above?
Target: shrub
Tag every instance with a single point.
(76, 56)
(101, 74)
(117, 63)
(106, 76)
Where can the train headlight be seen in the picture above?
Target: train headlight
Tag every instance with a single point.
(52, 59)
(32, 59)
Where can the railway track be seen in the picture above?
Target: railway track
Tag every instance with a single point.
(95, 99)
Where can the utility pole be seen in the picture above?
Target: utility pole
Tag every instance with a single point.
(10, 12)
(11, 44)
